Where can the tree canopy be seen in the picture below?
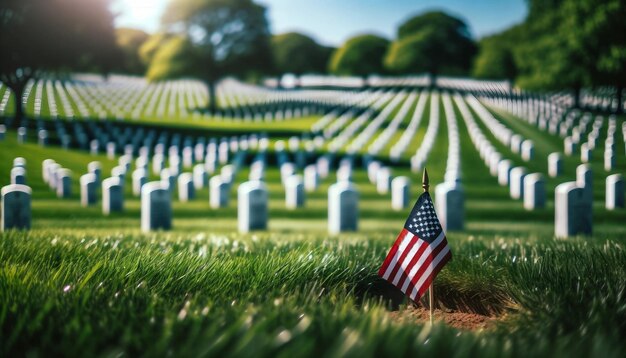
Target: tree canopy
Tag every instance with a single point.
(496, 57)
(298, 54)
(130, 41)
(360, 56)
(433, 42)
(54, 35)
(226, 37)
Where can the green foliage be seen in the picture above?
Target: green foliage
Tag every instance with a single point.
(496, 58)
(298, 54)
(360, 56)
(150, 47)
(130, 41)
(175, 58)
(434, 42)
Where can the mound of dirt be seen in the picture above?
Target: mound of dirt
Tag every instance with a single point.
(456, 319)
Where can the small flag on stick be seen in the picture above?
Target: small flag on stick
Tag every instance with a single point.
(420, 251)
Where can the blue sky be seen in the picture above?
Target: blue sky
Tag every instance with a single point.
(333, 21)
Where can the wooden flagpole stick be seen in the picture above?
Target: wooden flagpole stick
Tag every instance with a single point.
(431, 291)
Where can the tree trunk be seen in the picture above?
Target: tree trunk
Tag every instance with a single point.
(577, 94)
(18, 89)
(212, 97)
(620, 100)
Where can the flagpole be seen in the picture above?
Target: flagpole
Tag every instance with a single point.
(431, 291)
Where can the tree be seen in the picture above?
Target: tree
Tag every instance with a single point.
(359, 56)
(572, 44)
(435, 43)
(129, 42)
(40, 36)
(150, 47)
(299, 54)
(496, 58)
(224, 37)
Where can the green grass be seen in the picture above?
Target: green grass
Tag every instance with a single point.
(80, 284)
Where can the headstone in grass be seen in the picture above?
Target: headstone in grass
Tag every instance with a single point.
(294, 192)
(614, 192)
(286, 170)
(156, 207)
(169, 179)
(516, 182)
(187, 157)
(323, 167)
(140, 178)
(528, 150)
(383, 180)
(126, 162)
(450, 202)
(186, 188)
(504, 172)
(555, 165)
(141, 162)
(15, 207)
(228, 174)
(252, 212)
(609, 160)
(493, 161)
(372, 170)
(257, 171)
(516, 143)
(223, 152)
(311, 179)
(400, 193)
(94, 147)
(52, 175)
(112, 195)
(95, 168)
(64, 183)
(119, 171)
(572, 215)
(3, 131)
(200, 178)
(88, 190)
(343, 207)
(111, 150)
(218, 196)
(42, 137)
(569, 146)
(344, 173)
(585, 153)
(534, 191)
(158, 163)
(21, 135)
(19, 162)
(44, 169)
(18, 175)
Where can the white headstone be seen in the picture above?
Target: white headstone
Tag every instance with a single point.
(383, 180)
(42, 137)
(252, 211)
(343, 207)
(609, 160)
(112, 195)
(614, 192)
(571, 211)
(504, 172)
(555, 165)
(311, 179)
(585, 153)
(168, 179)
(569, 146)
(156, 207)
(294, 192)
(45, 173)
(200, 177)
(286, 171)
(528, 150)
(584, 179)
(21, 135)
(534, 191)
(19, 162)
(516, 182)
(372, 171)
(140, 178)
(218, 197)
(400, 193)
(186, 189)
(450, 205)
(88, 190)
(15, 207)
(95, 168)
(63, 183)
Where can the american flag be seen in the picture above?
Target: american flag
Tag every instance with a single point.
(419, 253)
